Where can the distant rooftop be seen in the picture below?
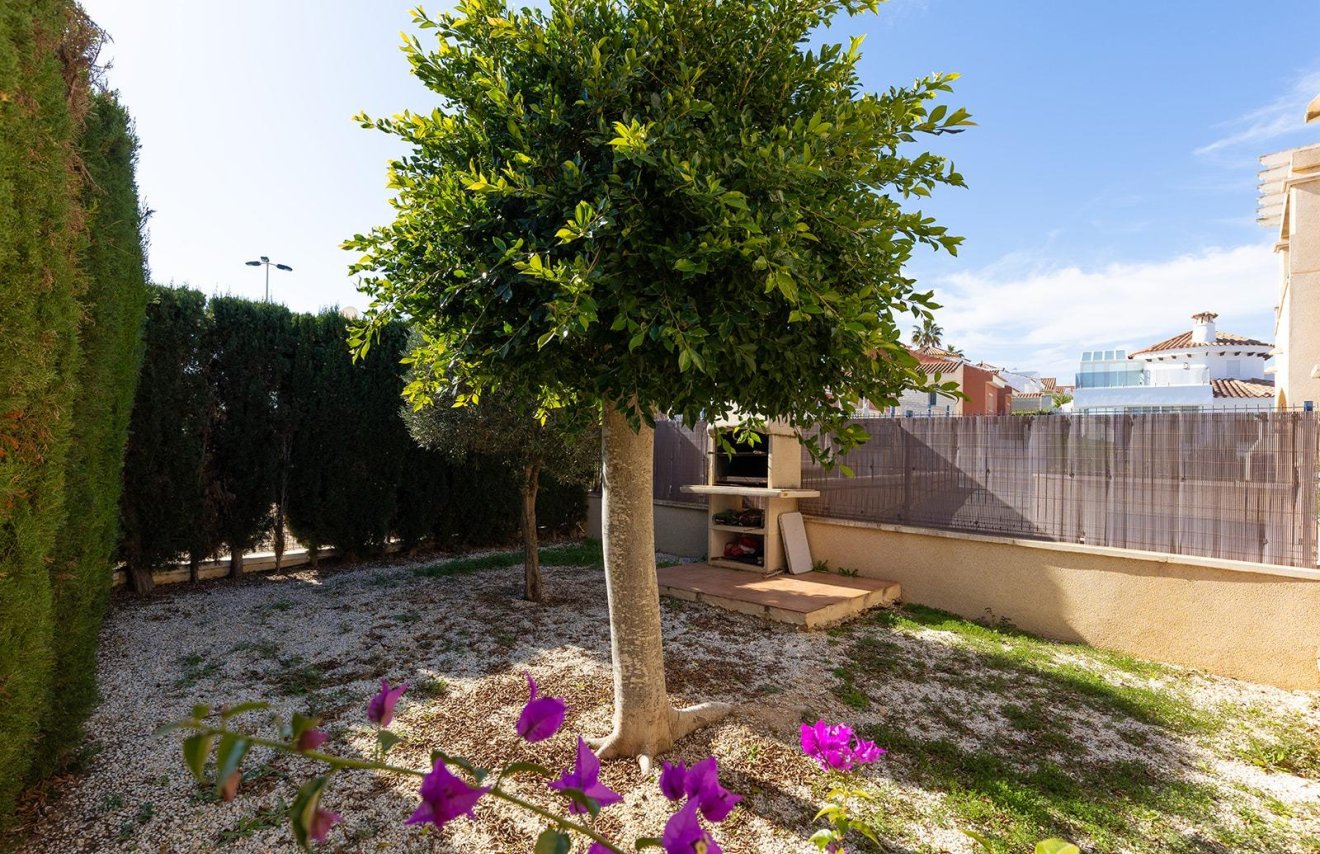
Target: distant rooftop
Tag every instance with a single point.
(1184, 341)
(1242, 388)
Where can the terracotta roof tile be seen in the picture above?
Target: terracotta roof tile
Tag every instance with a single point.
(942, 366)
(1184, 341)
(1242, 388)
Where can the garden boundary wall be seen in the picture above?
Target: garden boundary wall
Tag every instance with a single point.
(1250, 621)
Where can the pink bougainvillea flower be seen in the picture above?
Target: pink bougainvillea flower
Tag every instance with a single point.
(322, 821)
(597, 848)
(585, 778)
(828, 745)
(865, 752)
(542, 716)
(380, 710)
(310, 739)
(702, 785)
(444, 797)
(835, 747)
(671, 781)
(685, 835)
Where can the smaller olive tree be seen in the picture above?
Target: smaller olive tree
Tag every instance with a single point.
(519, 430)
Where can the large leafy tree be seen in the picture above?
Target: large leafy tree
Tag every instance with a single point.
(660, 206)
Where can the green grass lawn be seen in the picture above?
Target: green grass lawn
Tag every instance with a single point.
(1016, 738)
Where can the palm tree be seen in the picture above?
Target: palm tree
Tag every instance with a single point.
(927, 336)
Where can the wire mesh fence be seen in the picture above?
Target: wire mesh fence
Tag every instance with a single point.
(1239, 486)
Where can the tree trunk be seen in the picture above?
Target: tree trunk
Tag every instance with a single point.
(193, 568)
(235, 562)
(645, 725)
(279, 537)
(531, 554)
(140, 578)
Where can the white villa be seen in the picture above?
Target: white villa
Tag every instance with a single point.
(1201, 369)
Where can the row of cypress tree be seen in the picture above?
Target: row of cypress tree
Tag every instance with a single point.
(251, 420)
(72, 293)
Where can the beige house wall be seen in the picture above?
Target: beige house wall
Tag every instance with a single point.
(1299, 312)
(1249, 621)
(680, 529)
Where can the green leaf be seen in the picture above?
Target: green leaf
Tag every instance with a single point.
(551, 841)
(303, 809)
(229, 755)
(196, 748)
(243, 707)
(386, 740)
(648, 842)
(299, 724)
(1056, 846)
(685, 265)
(527, 768)
(979, 838)
(199, 712)
(822, 838)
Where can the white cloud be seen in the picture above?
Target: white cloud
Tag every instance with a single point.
(1282, 116)
(1024, 316)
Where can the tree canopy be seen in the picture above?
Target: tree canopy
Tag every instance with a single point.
(663, 206)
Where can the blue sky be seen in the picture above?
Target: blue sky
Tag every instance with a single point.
(1112, 175)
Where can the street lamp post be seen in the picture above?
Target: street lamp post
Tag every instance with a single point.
(265, 262)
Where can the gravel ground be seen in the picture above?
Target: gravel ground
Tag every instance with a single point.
(319, 642)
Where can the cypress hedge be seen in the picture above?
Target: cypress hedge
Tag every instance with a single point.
(247, 414)
(44, 45)
(111, 335)
(167, 509)
(250, 353)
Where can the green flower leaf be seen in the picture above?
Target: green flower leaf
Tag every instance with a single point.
(303, 809)
(551, 841)
(196, 748)
(229, 755)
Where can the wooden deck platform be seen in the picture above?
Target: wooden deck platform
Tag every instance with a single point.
(810, 600)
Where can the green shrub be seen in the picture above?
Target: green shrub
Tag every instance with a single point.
(166, 509)
(110, 337)
(44, 46)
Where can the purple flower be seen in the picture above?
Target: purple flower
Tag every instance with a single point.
(444, 797)
(380, 710)
(322, 821)
(542, 716)
(597, 848)
(702, 785)
(310, 740)
(585, 778)
(835, 746)
(865, 752)
(671, 781)
(685, 835)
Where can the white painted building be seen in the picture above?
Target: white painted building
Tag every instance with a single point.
(1202, 368)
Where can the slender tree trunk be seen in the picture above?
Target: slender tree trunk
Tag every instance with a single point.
(235, 562)
(645, 724)
(140, 578)
(194, 569)
(531, 552)
(279, 536)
